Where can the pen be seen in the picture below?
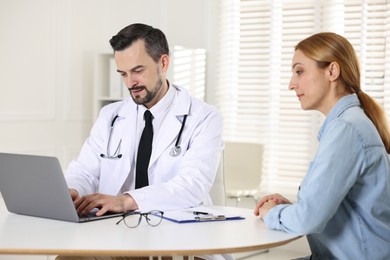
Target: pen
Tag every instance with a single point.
(210, 217)
(200, 213)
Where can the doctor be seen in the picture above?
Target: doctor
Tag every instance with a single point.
(186, 146)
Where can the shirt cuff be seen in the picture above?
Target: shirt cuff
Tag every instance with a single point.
(272, 219)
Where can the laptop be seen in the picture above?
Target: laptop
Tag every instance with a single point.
(35, 186)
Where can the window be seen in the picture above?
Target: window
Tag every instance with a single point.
(256, 45)
(189, 70)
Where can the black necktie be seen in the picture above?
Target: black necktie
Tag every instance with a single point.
(144, 152)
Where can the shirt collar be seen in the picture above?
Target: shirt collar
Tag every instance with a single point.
(343, 104)
(162, 105)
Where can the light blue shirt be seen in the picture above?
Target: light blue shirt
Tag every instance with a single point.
(343, 203)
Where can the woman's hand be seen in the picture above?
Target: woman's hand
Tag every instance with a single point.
(268, 202)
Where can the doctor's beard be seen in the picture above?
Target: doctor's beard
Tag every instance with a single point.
(150, 95)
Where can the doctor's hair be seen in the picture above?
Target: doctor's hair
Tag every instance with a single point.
(154, 39)
(325, 48)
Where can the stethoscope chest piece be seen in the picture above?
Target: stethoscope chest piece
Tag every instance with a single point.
(175, 151)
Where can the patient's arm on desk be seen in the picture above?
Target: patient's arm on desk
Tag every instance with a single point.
(268, 202)
(263, 210)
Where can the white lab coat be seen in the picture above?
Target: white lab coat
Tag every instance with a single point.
(174, 182)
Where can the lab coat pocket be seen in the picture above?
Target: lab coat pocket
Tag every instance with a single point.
(165, 167)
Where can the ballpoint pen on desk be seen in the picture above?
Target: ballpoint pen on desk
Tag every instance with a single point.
(210, 217)
(204, 216)
(201, 213)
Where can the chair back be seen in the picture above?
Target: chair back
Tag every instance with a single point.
(243, 166)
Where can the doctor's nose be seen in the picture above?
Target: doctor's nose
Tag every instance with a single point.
(130, 82)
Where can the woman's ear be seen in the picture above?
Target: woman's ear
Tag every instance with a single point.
(333, 71)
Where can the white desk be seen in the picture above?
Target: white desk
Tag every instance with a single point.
(30, 235)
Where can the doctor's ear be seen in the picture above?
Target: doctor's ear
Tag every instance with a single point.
(164, 62)
(334, 71)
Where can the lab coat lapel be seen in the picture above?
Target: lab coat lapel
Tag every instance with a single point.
(167, 136)
(126, 128)
(170, 128)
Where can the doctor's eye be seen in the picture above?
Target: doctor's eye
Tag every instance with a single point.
(139, 71)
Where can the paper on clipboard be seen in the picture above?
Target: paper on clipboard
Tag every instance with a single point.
(207, 215)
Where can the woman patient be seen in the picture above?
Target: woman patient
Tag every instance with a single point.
(343, 203)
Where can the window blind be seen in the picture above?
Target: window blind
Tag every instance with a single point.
(257, 39)
(189, 70)
(367, 37)
(386, 100)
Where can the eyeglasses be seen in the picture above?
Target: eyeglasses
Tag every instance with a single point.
(133, 219)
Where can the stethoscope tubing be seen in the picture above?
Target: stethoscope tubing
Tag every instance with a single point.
(177, 144)
(176, 150)
(117, 154)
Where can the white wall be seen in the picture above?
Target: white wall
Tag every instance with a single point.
(47, 49)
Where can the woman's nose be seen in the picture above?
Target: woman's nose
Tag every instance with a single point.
(291, 84)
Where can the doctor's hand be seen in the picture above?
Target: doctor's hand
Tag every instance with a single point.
(268, 202)
(74, 194)
(105, 203)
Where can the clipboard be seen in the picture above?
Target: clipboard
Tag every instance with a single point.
(199, 214)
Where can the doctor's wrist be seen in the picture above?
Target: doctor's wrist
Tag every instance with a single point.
(128, 202)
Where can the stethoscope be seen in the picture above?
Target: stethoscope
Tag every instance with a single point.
(117, 154)
(175, 151)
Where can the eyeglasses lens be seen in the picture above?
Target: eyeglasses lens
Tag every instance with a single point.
(132, 220)
(154, 217)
